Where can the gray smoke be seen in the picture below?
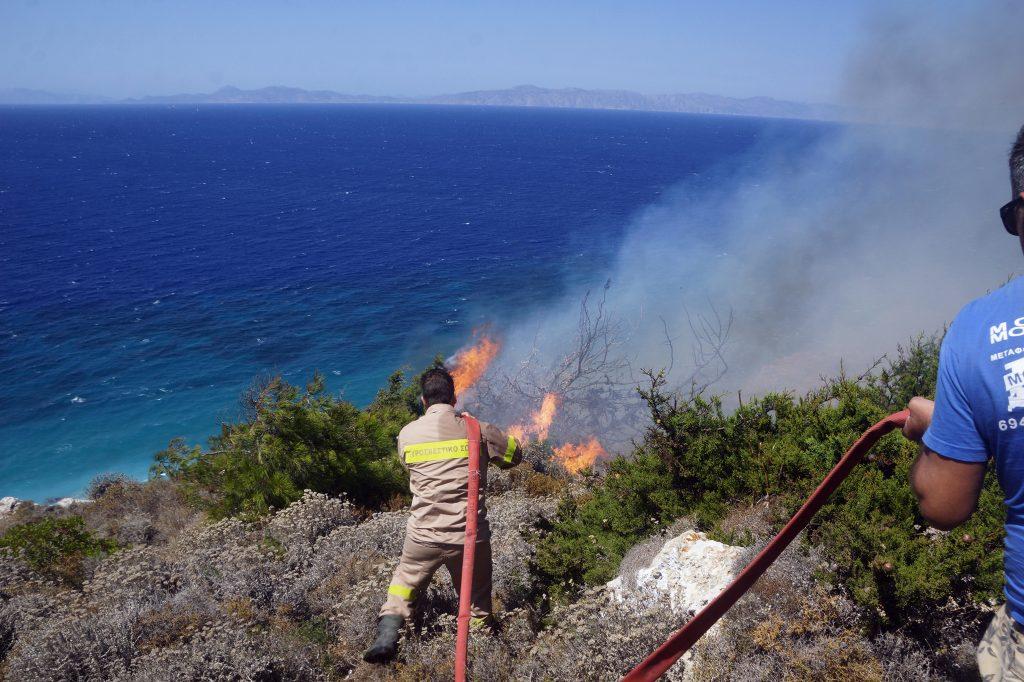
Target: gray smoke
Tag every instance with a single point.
(882, 232)
(948, 67)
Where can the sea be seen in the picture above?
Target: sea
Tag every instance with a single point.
(154, 260)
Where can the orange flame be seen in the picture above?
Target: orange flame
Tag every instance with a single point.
(540, 420)
(576, 457)
(472, 362)
(543, 417)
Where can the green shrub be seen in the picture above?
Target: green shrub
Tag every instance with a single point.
(592, 534)
(296, 440)
(56, 547)
(700, 460)
(913, 372)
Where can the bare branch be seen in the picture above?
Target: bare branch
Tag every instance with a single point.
(671, 347)
(710, 334)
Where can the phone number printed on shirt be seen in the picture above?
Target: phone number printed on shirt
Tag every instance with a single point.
(1010, 424)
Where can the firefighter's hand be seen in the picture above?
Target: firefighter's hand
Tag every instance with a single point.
(920, 418)
(465, 413)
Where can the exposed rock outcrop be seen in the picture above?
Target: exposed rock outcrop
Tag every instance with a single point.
(8, 504)
(689, 570)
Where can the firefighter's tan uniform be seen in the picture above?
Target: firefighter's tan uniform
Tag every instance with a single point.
(435, 450)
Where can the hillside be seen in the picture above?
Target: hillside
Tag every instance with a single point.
(270, 95)
(692, 103)
(266, 554)
(520, 96)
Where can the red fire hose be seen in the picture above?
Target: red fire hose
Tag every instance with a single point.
(469, 548)
(655, 665)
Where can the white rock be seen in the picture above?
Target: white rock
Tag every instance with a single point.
(65, 502)
(8, 504)
(689, 569)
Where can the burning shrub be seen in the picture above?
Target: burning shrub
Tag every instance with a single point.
(534, 483)
(538, 475)
(576, 457)
(472, 362)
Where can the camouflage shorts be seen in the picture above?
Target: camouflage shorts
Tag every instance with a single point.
(1001, 652)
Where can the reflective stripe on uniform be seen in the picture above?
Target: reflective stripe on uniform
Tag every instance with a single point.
(401, 591)
(441, 449)
(510, 451)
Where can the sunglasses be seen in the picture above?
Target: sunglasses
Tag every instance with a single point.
(1009, 214)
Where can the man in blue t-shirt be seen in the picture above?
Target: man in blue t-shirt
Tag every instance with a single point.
(977, 416)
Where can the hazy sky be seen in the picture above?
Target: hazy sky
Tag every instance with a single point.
(789, 49)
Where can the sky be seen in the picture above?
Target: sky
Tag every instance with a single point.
(789, 49)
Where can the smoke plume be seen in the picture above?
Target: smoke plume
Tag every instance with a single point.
(882, 231)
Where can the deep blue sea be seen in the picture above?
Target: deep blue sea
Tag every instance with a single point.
(153, 260)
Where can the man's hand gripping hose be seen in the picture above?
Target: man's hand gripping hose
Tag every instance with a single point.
(655, 665)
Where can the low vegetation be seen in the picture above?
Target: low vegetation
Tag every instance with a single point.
(267, 553)
(699, 460)
(56, 547)
(295, 440)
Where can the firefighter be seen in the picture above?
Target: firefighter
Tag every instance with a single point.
(435, 450)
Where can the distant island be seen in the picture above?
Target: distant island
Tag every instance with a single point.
(520, 96)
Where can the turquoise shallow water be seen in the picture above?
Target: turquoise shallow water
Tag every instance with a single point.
(154, 260)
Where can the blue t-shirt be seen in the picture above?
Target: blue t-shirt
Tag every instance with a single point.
(979, 409)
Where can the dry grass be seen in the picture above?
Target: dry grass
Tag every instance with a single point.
(791, 627)
(137, 513)
(296, 595)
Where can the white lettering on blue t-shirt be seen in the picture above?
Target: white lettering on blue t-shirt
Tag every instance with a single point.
(979, 409)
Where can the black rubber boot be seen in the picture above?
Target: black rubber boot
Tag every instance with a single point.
(386, 645)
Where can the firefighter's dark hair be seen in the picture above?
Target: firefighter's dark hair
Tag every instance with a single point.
(1017, 164)
(437, 387)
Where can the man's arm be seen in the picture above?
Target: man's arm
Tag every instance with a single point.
(503, 450)
(401, 452)
(947, 490)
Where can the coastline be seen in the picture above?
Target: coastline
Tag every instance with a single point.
(8, 505)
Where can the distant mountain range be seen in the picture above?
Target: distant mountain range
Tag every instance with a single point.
(275, 94)
(27, 96)
(521, 96)
(693, 103)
